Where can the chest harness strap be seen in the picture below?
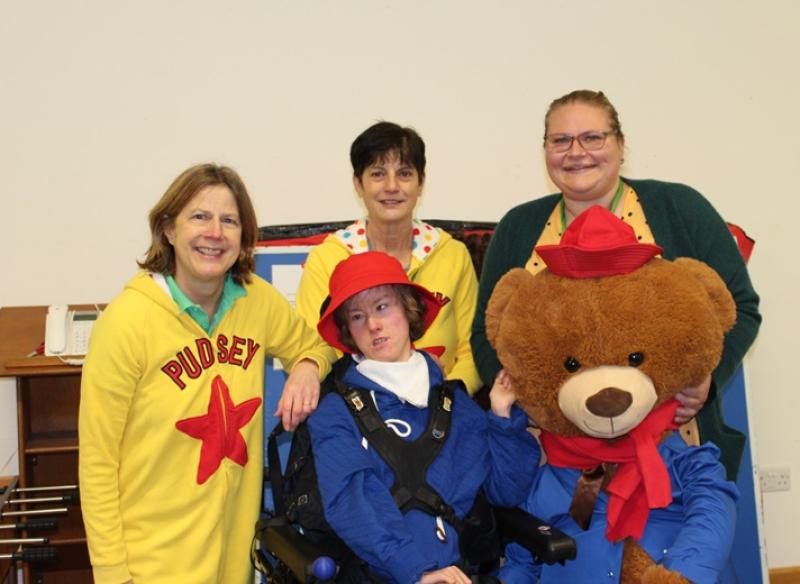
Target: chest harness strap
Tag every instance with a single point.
(409, 460)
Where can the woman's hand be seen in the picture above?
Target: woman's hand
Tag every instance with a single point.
(692, 400)
(300, 394)
(502, 395)
(448, 575)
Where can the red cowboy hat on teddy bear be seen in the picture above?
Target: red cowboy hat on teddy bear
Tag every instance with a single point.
(597, 244)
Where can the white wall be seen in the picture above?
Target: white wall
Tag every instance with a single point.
(103, 103)
(9, 460)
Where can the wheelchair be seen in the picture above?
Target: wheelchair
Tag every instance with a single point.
(284, 554)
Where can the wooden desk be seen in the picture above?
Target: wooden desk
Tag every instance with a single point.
(48, 394)
(21, 331)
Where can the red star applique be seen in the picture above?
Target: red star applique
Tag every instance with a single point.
(219, 429)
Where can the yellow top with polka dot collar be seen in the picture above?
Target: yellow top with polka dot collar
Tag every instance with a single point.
(630, 211)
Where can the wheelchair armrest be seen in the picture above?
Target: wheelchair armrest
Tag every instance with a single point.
(293, 549)
(546, 543)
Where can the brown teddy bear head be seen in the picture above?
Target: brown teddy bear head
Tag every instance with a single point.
(593, 356)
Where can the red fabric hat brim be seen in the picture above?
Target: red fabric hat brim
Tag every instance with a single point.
(574, 262)
(361, 272)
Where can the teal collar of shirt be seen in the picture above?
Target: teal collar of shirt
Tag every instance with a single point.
(230, 292)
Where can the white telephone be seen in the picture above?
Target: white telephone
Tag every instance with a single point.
(67, 331)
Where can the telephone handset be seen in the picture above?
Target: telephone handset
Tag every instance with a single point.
(55, 329)
(67, 331)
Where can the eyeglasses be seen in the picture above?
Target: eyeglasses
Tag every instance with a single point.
(592, 140)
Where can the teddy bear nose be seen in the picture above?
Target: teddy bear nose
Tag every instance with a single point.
(609, 402)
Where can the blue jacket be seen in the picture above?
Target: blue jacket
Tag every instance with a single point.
(692, 536)
(482, 450)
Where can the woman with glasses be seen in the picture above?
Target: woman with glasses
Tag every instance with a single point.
(583, 148)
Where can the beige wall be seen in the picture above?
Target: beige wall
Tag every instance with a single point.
(103, 103)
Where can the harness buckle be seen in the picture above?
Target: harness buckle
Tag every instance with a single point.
(357, 403)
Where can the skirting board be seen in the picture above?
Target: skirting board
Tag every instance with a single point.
(785, 575)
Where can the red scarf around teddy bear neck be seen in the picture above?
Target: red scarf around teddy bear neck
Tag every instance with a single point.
(641, 482)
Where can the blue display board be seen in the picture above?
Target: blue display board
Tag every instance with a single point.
(748, 556)
(272, 263)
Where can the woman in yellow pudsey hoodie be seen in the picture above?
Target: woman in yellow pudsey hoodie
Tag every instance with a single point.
(171, 420)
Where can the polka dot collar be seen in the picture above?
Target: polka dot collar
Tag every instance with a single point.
(354, 237)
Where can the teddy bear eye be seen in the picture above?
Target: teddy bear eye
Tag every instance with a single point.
(571, 364)
(636, 359)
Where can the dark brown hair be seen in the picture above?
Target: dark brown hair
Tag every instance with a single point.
(384, 139)
(160, 256)
(413, 306)
(587, 96)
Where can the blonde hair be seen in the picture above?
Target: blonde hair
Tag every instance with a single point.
(587, 96)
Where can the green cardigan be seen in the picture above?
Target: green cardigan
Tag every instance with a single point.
(685, 224)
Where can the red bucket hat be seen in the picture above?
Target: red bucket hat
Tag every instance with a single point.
(597, 243)
(360, 272)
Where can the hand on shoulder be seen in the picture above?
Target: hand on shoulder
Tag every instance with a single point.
(300, 394)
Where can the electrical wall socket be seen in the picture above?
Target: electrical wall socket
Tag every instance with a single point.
(775, 478)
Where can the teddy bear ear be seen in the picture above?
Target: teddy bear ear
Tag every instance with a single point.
(718, 292)
(504, 290)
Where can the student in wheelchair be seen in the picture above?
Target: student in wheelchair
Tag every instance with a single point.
(444, 445)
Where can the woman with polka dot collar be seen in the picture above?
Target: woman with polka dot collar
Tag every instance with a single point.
(389, 175)
(584, 147)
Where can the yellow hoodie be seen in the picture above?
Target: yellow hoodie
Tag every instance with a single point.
(171, 432)
(439, 262)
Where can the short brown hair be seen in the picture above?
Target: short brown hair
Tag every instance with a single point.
(383, 140)
(411, 302)
(588, 97)
(160, 256)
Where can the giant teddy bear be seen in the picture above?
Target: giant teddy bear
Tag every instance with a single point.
(596, 346)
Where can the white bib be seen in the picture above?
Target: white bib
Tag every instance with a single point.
(408, 380)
